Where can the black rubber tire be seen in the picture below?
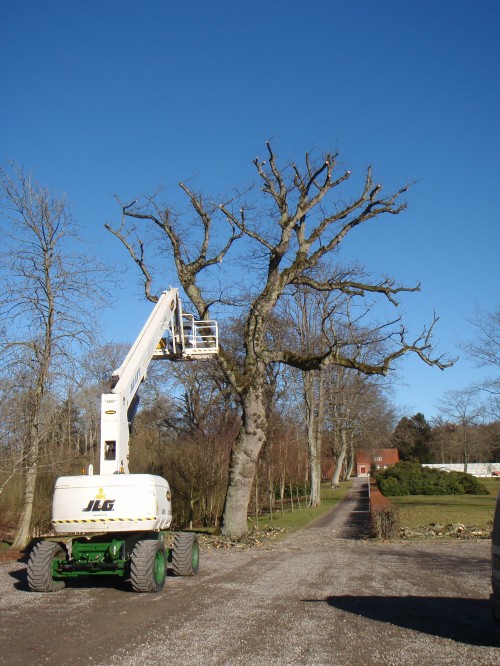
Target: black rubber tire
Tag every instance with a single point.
(148, 566)
(186, 554)
(40, 567)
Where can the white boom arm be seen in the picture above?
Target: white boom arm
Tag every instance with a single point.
(186, 339)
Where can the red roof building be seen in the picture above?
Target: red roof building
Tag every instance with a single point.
(381, 458)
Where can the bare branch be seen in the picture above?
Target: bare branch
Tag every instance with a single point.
(421, 346)
(353, 288)
(138, 258)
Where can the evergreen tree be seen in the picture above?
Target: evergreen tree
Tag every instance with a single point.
(412, 438)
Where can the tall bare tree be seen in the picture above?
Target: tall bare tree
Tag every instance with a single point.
(298, 218)
(305, 312)
(485, 351)
(486, 348)
(47, 302)
(345, 388)
(462, 411)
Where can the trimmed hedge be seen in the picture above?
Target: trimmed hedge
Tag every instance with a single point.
(410, 478)
(384, 515)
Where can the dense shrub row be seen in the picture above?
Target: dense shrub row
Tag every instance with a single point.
(410, 478)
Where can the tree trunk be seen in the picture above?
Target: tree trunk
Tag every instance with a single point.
(315, 468)
(270, 489)
(244, 459)
(340, 458)
(350, 463)
(314, 410)
(22, 537)
(465, 447)
(282, 494)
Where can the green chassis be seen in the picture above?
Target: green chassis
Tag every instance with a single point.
(102, 554)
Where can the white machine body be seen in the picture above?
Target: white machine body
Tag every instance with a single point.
(115, 503)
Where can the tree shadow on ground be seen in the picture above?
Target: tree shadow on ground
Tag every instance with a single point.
(460, 619)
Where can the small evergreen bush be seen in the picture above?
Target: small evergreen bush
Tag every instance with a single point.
(470, 484)
(392, 487)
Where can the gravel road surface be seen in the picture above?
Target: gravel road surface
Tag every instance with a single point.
(324, 596)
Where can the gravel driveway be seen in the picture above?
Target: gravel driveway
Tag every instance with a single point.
(324, 596)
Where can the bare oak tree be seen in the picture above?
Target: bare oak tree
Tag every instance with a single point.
(47, 303)
(301, 219)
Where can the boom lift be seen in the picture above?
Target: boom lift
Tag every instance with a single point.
(113, 523)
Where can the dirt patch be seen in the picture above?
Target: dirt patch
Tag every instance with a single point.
(8, 555)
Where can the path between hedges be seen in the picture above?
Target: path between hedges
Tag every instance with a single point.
(323, 596)
(350, 518)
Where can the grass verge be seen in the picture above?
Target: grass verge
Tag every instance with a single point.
(278, 524)
(290, 521)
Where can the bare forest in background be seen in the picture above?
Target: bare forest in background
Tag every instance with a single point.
(186, 435)
(321, 387)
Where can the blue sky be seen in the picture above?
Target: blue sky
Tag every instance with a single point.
(118, 96)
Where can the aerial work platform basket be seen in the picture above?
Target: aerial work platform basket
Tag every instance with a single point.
(193, 339)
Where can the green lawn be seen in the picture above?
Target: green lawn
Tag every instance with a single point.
(477, 510)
